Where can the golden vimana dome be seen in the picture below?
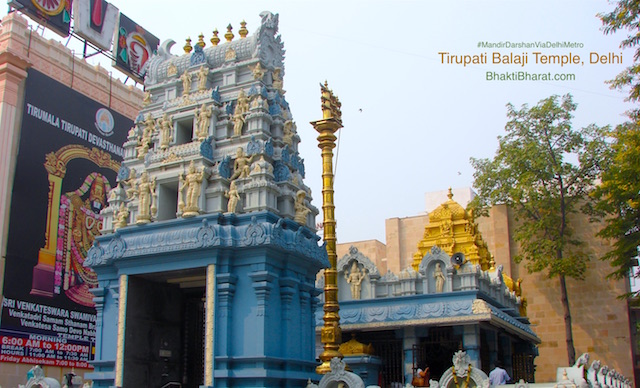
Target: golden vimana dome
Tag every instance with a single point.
(452, 229)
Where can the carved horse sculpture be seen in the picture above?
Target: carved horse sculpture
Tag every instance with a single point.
(37, 379)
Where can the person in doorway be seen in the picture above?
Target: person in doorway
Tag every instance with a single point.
(421, 378)
(498, 375)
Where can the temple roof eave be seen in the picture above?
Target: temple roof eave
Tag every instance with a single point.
(463, 320)
(209, 231)
(524, 334)
(456, 308)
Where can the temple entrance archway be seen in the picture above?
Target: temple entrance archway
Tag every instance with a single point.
(164, 331)
(435, 350)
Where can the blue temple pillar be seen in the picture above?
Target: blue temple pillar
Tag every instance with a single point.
(505, 345)
(408, 341)
(226, 287)
(209, 331)
(471, 343)
(492, 343)
(106, 297)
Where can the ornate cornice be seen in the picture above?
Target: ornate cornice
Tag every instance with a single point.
(205, 232)
(404, 311)
(396, 312)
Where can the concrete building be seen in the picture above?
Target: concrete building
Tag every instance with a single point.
(24, 54)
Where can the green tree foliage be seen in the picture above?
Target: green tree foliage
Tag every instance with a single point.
(544, 170)
(619, 200)
(626, 16)
(620, 188)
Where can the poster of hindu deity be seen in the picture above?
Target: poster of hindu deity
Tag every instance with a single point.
(68, 158)
(133, 48)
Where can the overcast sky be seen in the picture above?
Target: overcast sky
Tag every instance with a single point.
(411, 122)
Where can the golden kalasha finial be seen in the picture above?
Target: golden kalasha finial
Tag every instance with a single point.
(201, 40)
(450, 194)
(187, 47)
(243, 30)
(215, 40)
(229, 35)
(492, 264)
(330, 104)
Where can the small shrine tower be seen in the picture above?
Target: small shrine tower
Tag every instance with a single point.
(209, 252)
(452, 229)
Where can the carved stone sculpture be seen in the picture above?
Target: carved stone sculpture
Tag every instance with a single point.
(204, 118)
(38, 379)
(186, 83)
(130, 184)
(145, 140)
(147, 98)
(242, 164)
(203, 72)
(288, 132)
(146, 194)
(277, 79)
(122, 217)
(192, 183)
(233, 196)
(592, 373)
(602, 375)
(301, 208)
(165, 124)
(258, 71)
(439, 278)
(354, 278)
(256, 102)
(583, 360)
(242, 107)
(339, 377)
(238, 123)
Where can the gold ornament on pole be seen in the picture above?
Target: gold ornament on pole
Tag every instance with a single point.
(331, 334)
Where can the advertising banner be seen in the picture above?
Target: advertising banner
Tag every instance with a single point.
(54, 14)
(132, 48)
(95, 21)
(69, 154)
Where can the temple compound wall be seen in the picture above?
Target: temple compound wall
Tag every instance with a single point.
(24, 57)
(601, 324)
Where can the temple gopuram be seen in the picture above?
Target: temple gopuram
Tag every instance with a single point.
(209, 253)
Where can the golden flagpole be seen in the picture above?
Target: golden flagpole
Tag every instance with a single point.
(331, 334)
